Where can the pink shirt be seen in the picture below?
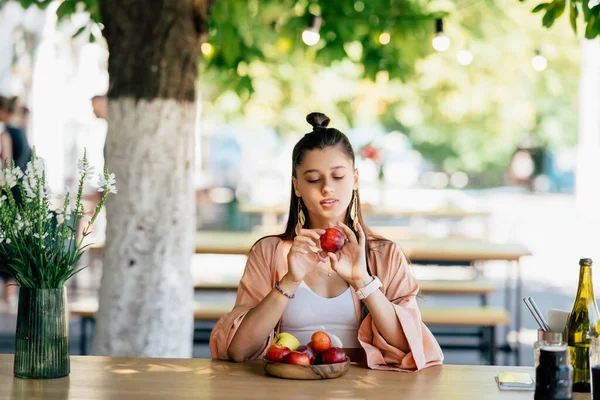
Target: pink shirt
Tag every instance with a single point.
(267, 264)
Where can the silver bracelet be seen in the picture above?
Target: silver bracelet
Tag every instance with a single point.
(289, 296)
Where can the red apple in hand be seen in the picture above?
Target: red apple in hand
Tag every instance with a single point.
(308, 351)
(332, 240)
(277, 353)
(297, 358)
(333, 355)
(320, 341)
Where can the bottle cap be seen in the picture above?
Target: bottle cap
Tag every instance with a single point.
(554, 355)
(586, 262)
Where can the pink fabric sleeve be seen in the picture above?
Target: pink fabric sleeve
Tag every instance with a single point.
(400, 287)
(255, 284)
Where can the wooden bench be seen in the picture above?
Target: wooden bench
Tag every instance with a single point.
(86, 311)
(465, 316)
(457, 288)
(484, 318)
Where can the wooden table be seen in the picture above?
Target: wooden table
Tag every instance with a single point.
(99, 378)
(416, 249)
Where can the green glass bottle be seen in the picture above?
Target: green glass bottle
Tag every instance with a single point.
(583, 323)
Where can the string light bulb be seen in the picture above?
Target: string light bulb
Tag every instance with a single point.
(464, 57)
(311, 35)
(539, 62)
(440, 42)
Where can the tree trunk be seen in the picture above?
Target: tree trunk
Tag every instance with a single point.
(588, 157)
(146, 292)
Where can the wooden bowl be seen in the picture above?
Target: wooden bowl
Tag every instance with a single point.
(292, 371)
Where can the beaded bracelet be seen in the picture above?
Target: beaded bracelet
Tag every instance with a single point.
(289, 296)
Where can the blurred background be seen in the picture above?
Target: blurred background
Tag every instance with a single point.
(476, 130)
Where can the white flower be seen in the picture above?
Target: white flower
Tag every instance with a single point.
(83, 167)
(10, 177)
(38, 166)
(19, 222)
(109, 185)
(27, 186)
(47, 190)
(35, 168)
(61, 215)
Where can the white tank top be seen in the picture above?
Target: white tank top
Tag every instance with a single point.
(308, 312)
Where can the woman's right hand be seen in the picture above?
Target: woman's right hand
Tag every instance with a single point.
(303, 258)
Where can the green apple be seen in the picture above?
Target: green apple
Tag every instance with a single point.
(286, 339)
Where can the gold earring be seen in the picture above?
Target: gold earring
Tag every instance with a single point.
(301, 217)
(354, 212)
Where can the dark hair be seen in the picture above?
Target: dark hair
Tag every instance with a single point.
(8, 103)
(320, 138)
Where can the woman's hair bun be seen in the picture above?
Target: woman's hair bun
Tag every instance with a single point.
(317, 120)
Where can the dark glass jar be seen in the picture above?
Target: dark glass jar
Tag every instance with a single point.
(554, 374)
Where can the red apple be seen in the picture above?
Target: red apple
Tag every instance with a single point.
(277, 353)
(308, 351)
(333, 355)
(320, 341)
(297, 358)
(332, 240)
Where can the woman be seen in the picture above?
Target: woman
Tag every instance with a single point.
(13, 142)
(13, 147)
(290, 285)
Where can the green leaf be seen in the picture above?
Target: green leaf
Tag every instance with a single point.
(65, 9)
(540, 7)
(80, 31)
(229, 44)
(44, 4)
(559, 8)
(549, 18)
(595, 11)
(92, 38)
(586, 9)
(573, 14)
(96, 17)
(590, 30)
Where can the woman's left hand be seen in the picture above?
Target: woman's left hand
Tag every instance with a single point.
(352, 263)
